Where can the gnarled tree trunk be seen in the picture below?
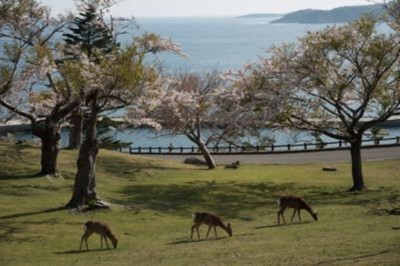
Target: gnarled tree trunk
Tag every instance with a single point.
(85, 179)
(75, 132)
(50, 135)
(356, 165)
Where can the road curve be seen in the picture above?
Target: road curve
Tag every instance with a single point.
(375, 154)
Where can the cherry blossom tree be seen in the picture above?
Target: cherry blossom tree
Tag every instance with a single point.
(111, 80)
(32, 83)
(193, 105)
(392, 14)
(340, 81)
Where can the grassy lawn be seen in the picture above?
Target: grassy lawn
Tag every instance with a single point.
(153, 202)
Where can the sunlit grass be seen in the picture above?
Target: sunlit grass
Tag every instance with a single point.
(154, 200)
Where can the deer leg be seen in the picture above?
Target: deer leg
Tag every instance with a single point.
(198, 234)
(209, 228)
(85, 237)
(294, 213)
(82, 238)
(215, 231)
(298, 211)
(101, 241)
(105, 238)
(280, 213)
(191, 233)
(283, 217)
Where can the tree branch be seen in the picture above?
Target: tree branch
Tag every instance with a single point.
(14, 109)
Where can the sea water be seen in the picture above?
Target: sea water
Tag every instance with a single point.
(220, 43)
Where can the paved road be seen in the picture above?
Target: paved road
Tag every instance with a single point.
(375, 154)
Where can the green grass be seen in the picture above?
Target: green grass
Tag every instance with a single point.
(153, 202)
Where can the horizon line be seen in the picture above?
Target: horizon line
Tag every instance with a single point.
(203, 16)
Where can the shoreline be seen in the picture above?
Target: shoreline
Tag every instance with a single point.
(328, 157)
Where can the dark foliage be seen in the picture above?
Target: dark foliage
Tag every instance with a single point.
(89, 32)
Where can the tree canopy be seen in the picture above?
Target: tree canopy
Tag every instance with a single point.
(339, 81)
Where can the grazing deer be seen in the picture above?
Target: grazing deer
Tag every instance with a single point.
(298, 203)
(100, 228)
(234, 165)
(211, 220)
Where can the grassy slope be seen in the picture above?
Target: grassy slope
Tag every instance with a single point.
(154, 201)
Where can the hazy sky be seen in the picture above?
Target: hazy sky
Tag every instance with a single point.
(168, 8)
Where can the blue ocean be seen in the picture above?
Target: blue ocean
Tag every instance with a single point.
(219, 42)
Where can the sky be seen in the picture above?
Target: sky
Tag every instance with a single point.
(184, 8)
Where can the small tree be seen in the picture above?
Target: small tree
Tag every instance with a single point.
(334, 79)
(190, 105)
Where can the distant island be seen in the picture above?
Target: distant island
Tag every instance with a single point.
(261, 15)
(314, 16)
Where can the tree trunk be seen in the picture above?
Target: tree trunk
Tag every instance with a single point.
(75, 133)
(50, 135)
(207, 155)
(85, 179)
(358, 179)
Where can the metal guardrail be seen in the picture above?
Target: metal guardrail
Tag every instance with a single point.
(288, 148)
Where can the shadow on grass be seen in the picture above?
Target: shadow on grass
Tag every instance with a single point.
(23, 214)
(12, 231)
(229, 199)
(48, 221)
(188, 241)
(357, 258)
(17, 177)
(24, 190)
(7, 231)
(282, 225)
(129, 168)
(83, 251)
(179, 199)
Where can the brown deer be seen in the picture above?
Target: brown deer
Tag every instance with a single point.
(100, 228)
(211, 220)
(234, 165)
(297, 203)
